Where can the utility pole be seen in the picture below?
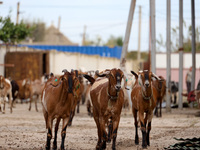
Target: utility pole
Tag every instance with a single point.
(59, 20)
(139, 37)
(127, 34)
(17, 21)
(84, 34)
(153, 36)
(193, 46)
(180, 101)
(168, 102)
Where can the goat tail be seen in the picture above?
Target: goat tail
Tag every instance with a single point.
(89, 78)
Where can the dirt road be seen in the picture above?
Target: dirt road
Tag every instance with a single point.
(25, 129)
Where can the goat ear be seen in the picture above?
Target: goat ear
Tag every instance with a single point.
(89, 78)
(100, 75)
(135, 74)
(155, 76)
(64, 70)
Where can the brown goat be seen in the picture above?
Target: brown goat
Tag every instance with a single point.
(58, 97)
(5, 89)
(160, 86)
(107, 98)
(78, 96)
(144, 97)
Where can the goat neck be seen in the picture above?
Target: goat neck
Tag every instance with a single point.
(112, 92)
(148, 93)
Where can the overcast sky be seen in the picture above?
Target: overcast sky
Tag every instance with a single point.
(102, 17)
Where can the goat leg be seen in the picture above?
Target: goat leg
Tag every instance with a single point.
(36, 103)
(49, 136)
(115, 128)
(71, 117)
(136, 127)
(30, 104)
(104, 133)
(110, 128)
(63, 133)
(4, 105)
(143, 128)
(161, 108)
(144, 143)
(148, 131)
(55, 136)
(78, 104)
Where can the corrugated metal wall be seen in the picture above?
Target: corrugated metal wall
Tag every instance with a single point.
(102, 51)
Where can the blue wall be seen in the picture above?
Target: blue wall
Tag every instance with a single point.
(102, 51)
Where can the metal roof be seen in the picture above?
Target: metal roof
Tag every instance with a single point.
(103, 51)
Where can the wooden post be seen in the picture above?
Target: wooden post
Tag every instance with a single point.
(168, 101)
(127, 34)
(180, 101)
(17, 21)
(139, 36)
(153, 36)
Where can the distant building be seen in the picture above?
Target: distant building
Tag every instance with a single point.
(52, 37)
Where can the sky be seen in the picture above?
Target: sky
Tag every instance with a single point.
(101, 17)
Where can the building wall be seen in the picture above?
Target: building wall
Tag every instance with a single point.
(161, 66)
(2, 55)
(65, 60)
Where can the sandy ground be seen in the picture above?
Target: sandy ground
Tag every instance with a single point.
(25, 129)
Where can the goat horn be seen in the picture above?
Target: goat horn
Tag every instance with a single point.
(155, 76)
(102, 74)
(64, 70)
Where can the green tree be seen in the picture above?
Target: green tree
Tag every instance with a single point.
(175, 38)
(114, 41)
(133, 55)
(96, 42)
(11, 33)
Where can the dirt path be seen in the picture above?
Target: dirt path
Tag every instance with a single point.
(26, 130)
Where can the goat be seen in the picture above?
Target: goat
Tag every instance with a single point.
(25, 91)
(174, 90)
(36, 89)
(107, 98)
(5, 89)
(58, 97)
(144, 97)
(160, 86)
(78, 96)
(15, 90)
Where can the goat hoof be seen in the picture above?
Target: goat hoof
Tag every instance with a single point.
(136, 142)
(148, 144)
(144, 146)
(55, 147)
(97, 147)
(109, 140)
(103, 146)
(47, 148)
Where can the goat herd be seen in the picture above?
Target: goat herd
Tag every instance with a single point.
(106, 93)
